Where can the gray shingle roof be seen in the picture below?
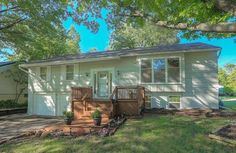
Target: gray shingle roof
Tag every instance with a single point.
(6, 63)
(190, 47)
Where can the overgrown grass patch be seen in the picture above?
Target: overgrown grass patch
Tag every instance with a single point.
(165, 134)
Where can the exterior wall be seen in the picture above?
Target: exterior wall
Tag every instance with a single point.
(8, 86)
(197, 87)
(201, 80)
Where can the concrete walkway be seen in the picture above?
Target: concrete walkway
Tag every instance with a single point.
(17, 124)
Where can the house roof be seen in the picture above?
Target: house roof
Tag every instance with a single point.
(189, 47)
(6, 63)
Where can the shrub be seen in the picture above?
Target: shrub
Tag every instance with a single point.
(68, 114)
(11, 104)
(96, 114)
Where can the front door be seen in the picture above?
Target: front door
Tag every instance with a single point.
(103, 84)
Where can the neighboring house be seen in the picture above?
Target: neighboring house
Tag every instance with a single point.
(182, 76)
(7, 83)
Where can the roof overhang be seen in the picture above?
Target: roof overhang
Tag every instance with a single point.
(61, 62)
(73, 61)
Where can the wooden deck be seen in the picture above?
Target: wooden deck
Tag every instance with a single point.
(124, 100)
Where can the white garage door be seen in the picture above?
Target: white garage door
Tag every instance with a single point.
(44, 104)
(63, 103)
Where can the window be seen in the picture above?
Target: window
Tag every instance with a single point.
(69, 72)
(146, 71)
(43, 73)
(173, 70)
(159, 70)
(163, 70)
(174, 101)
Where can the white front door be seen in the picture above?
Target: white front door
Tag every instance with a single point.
(103, 84)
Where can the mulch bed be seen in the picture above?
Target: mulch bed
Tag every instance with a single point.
(9, 111)
(225, 135)
(228, 131)
(192, 112)
(103, 131)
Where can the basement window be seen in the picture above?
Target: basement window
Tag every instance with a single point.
(174, 102)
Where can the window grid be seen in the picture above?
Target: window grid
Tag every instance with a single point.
(166, 70)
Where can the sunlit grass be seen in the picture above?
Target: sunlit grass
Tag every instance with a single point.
(165, 134)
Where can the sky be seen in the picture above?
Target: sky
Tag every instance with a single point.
(100, 41)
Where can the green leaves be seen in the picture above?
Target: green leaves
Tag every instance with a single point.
(133, 36)
(41, 35)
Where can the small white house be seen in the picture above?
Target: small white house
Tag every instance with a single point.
(181, 76)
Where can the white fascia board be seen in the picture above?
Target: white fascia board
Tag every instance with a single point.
(69, 61)
(164, 52)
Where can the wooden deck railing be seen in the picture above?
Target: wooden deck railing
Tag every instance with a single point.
(81, 93)
(124, 100)
(127, 93)
(123, 95)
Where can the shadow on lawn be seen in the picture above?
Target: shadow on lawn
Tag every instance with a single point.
(165, 134)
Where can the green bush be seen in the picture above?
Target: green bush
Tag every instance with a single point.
(96, 114)
(11, 104)
(68, 114)
(229, 91)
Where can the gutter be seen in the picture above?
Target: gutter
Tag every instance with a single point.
(60, 62)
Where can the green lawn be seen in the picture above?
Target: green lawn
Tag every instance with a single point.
(229, 102)
(164, 134)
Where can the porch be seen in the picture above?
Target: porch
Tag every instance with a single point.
(128, 100)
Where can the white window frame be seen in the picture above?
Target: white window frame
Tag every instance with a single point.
(67, 73)
(111, 84)
(166, 70)
(174, 102)
(46, 75)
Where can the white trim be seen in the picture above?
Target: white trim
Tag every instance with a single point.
(166, 70)
(180, 102)
(60, 62)
(110, 70)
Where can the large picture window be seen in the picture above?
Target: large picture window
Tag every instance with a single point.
(159, 67)
(162, 70)
(69, 72)
(146, 71)
(173, 70)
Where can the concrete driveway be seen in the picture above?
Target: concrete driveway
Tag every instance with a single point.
(17, 124)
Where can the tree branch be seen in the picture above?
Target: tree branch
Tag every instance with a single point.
(227, 6)
(8, 9)
(12, 24)
(204, 27)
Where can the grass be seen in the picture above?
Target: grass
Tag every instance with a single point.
(229, 102)
(226, 98)
(165, 134)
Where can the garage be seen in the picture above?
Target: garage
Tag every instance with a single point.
(50, 104)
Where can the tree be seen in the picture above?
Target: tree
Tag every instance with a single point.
(20, 78)
(146, 36)
(227, 78)
(34, 29)
(211, 18)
